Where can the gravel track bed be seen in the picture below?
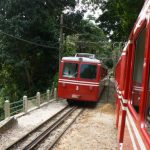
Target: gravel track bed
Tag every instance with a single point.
(49, 140)
(95, 129)
(28, 122)
(35, 134)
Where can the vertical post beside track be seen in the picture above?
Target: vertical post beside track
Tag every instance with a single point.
(25, 103)
(38, 99)
(55, 93)
(7, 109)
(48, 95)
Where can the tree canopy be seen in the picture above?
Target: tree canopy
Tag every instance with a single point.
(29, 43)
(26, 67)
(29, 39)
(118, 17)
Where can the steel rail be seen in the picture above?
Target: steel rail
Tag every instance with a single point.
(35, 129)
(44, 134)
(61, 134)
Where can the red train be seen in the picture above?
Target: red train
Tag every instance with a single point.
(81, 78)
(133, 86)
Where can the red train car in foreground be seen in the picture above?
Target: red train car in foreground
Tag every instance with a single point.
(81, 78)
(133, 86)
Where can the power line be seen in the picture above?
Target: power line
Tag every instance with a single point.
(70, 29)
(26, 41)
(87, 33)
(84, 33)
(91, 42)
(46, 46)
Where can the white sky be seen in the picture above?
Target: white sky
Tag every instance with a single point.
(90, 11)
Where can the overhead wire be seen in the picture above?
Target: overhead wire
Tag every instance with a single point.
(98, 42)
(83, 33)
(26, 41)
(86, 33)
(46, 46)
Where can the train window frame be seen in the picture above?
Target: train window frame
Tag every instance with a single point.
(88, 78)
(135, 113)
(146, 94)
(146, 89)
(71, 76)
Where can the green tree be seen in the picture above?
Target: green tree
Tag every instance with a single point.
(91, 39)
(26, 68)
(118, 17)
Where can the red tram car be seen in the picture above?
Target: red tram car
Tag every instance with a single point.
(133, 86)
(81, 78)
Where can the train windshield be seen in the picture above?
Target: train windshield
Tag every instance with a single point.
(70, 70)
(88, 71)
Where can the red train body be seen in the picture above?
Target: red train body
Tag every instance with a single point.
(132, 76)
(81, 78)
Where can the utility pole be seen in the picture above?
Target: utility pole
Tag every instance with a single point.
(64, 43)
(61, 38)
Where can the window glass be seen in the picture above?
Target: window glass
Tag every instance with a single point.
(70, 70)
(88, 71)
(138, 69)
(139, 58)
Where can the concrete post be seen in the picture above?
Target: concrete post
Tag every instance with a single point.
(25, 103)
(55, 93)
(7, 109)
(48, 95)
(38, 99)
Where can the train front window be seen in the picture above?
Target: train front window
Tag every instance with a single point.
(88, 71)
(70, 70)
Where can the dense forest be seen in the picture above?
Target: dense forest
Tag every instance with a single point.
(30, 36)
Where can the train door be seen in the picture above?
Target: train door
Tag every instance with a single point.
(145, 107)
(139, 52)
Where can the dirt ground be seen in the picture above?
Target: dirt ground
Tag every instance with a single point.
(95, 128)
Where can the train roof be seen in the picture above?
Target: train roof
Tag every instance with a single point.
(83, 59)
(88, 55)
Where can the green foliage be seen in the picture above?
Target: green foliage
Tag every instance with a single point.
(119, 17)
(70, 48)
(55, 80)
(90, 40)
(26, 68)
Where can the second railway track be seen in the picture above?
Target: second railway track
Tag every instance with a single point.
(47, 134)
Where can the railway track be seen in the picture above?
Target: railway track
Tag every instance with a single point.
(46, 135)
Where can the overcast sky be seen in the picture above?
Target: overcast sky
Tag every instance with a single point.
(89, 10)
